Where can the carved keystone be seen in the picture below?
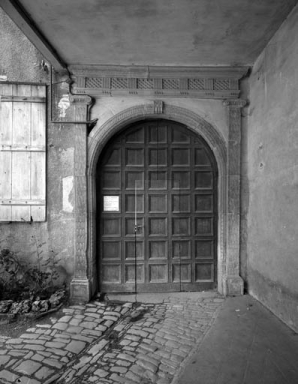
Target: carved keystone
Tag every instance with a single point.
(158, 106)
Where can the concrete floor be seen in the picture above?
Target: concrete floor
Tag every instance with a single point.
(247, 344)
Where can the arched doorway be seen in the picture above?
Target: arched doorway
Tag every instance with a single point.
(157, 210)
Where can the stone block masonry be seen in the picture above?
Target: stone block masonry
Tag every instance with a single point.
(150, 349)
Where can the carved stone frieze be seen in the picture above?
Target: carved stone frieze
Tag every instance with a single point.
(214, 83)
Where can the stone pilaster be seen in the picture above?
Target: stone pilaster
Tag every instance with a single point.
(80, 285)
(233, 284)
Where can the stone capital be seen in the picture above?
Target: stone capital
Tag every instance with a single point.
(235, 103)
(80, 99)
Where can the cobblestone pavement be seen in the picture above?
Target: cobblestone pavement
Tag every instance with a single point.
(113, 342)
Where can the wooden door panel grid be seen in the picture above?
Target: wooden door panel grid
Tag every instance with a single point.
(169, 175)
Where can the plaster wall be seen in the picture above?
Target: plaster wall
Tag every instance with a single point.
(21, 62)
(19, 59)
(272, 170)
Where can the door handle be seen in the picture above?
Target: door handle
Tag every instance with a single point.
(137, 227)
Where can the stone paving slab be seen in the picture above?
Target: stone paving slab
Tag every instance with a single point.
(111, 342)
(246, 344)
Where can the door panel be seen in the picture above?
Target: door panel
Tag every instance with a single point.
(157, 210)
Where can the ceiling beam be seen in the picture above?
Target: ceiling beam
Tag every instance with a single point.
(155, 71)
(21, 18)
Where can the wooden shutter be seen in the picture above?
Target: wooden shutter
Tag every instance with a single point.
(22, 152)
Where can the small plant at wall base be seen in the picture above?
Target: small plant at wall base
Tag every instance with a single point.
(16, 279)
(30, 290)
(42, 275)
(11, 275)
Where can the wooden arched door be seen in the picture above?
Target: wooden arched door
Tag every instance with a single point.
(157, 210)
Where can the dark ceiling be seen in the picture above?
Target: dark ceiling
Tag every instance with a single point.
(157, 32)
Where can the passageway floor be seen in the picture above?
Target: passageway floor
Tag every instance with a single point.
(246, 344)
(180, 338)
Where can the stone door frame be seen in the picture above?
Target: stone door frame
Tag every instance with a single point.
(227, 155)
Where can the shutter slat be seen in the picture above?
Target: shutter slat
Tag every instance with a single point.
(5, 123)
(20, 213)
(37, 175)
(24, 99)
(26, 202)
(38, 91)
(5, 175)
(38, 213)
(21, 175)
(23, 148)
(38, 123)
(22, 90)
(21, 123)
(6, 89)
(5, 213)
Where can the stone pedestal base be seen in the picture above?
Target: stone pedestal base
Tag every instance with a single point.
(80, 291)
(233, 286)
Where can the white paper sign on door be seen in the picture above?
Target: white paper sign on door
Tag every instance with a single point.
(111, 203)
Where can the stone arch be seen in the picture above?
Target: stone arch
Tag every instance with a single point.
(99, 137)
